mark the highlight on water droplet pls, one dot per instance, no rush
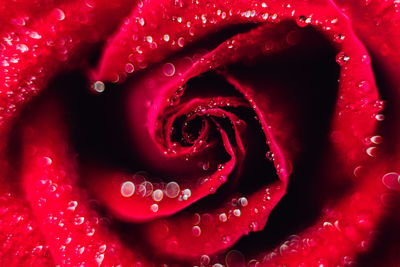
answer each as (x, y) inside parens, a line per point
(98, 86)
(342, 58)
(392, 180)
(154, 208)
(172, 190)
(222, 217)
(127, 189)
(234, 258)
(196, 231)
(59, 14)
(168, 69)
(377, 139)
(158, 195)
(371, 151)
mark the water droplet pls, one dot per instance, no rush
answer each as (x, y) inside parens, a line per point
(99, 258)
(206, 166)
(35, 35)
(379, 117)
(127, 189)
(186, 194)
(172, 190)
(270, 155)
(237, 212)
(168, 69)
(196, 231)
(181, 41)
(253, 263)
(338, 37)
(158, 195)
(102, 248)
(364, 85)
(149, 39)
(166, 37)
(226, 239)
(79, 220)
(154, 208)
(204, 260)
(222, 217)
(342, 58)
(145, 189)
(391, 180)
(98, 86)
(253, 226)
(243, 201)
(129, 68)
(59, 14)
(303, 21)
(377, 139)
(371, 151)
(22, 47)
(234, 258)
(72, 205)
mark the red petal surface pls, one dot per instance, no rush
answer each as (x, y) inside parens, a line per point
(60, 222)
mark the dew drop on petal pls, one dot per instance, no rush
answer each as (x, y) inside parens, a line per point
(234, 258)
(237, 212)
(379, 117)
(253, 263)
(222, 217)
(371, 151)
(186, 194)
(181, 41)
(339, 37)
(172, 190)
(154, 208)
(72, 205)
(59, 14)
(158, 195)
(243, 201)
(364, 85)
(127, 189)
(342, 58)
(391, 180)
(226, 239)
(196, 231)
(79, 220)
(129, 68)
(204, 260)
(98, 86)
(45, 161)
(168, 69)
(377, 139)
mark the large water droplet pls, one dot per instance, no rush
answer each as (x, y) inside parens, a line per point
(222, 217)
(168, 69)
(234, 258)
(127, 189)
(158, 195)
(196, 231)
(59, 14)
(342, 58)
(98, 86)
(172, 190)
(391, 180)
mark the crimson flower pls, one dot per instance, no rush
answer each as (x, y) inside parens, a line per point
(199, 133)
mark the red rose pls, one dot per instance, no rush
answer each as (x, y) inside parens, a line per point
(174, 133)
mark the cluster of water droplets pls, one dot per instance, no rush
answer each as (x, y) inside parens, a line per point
(138, 186)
